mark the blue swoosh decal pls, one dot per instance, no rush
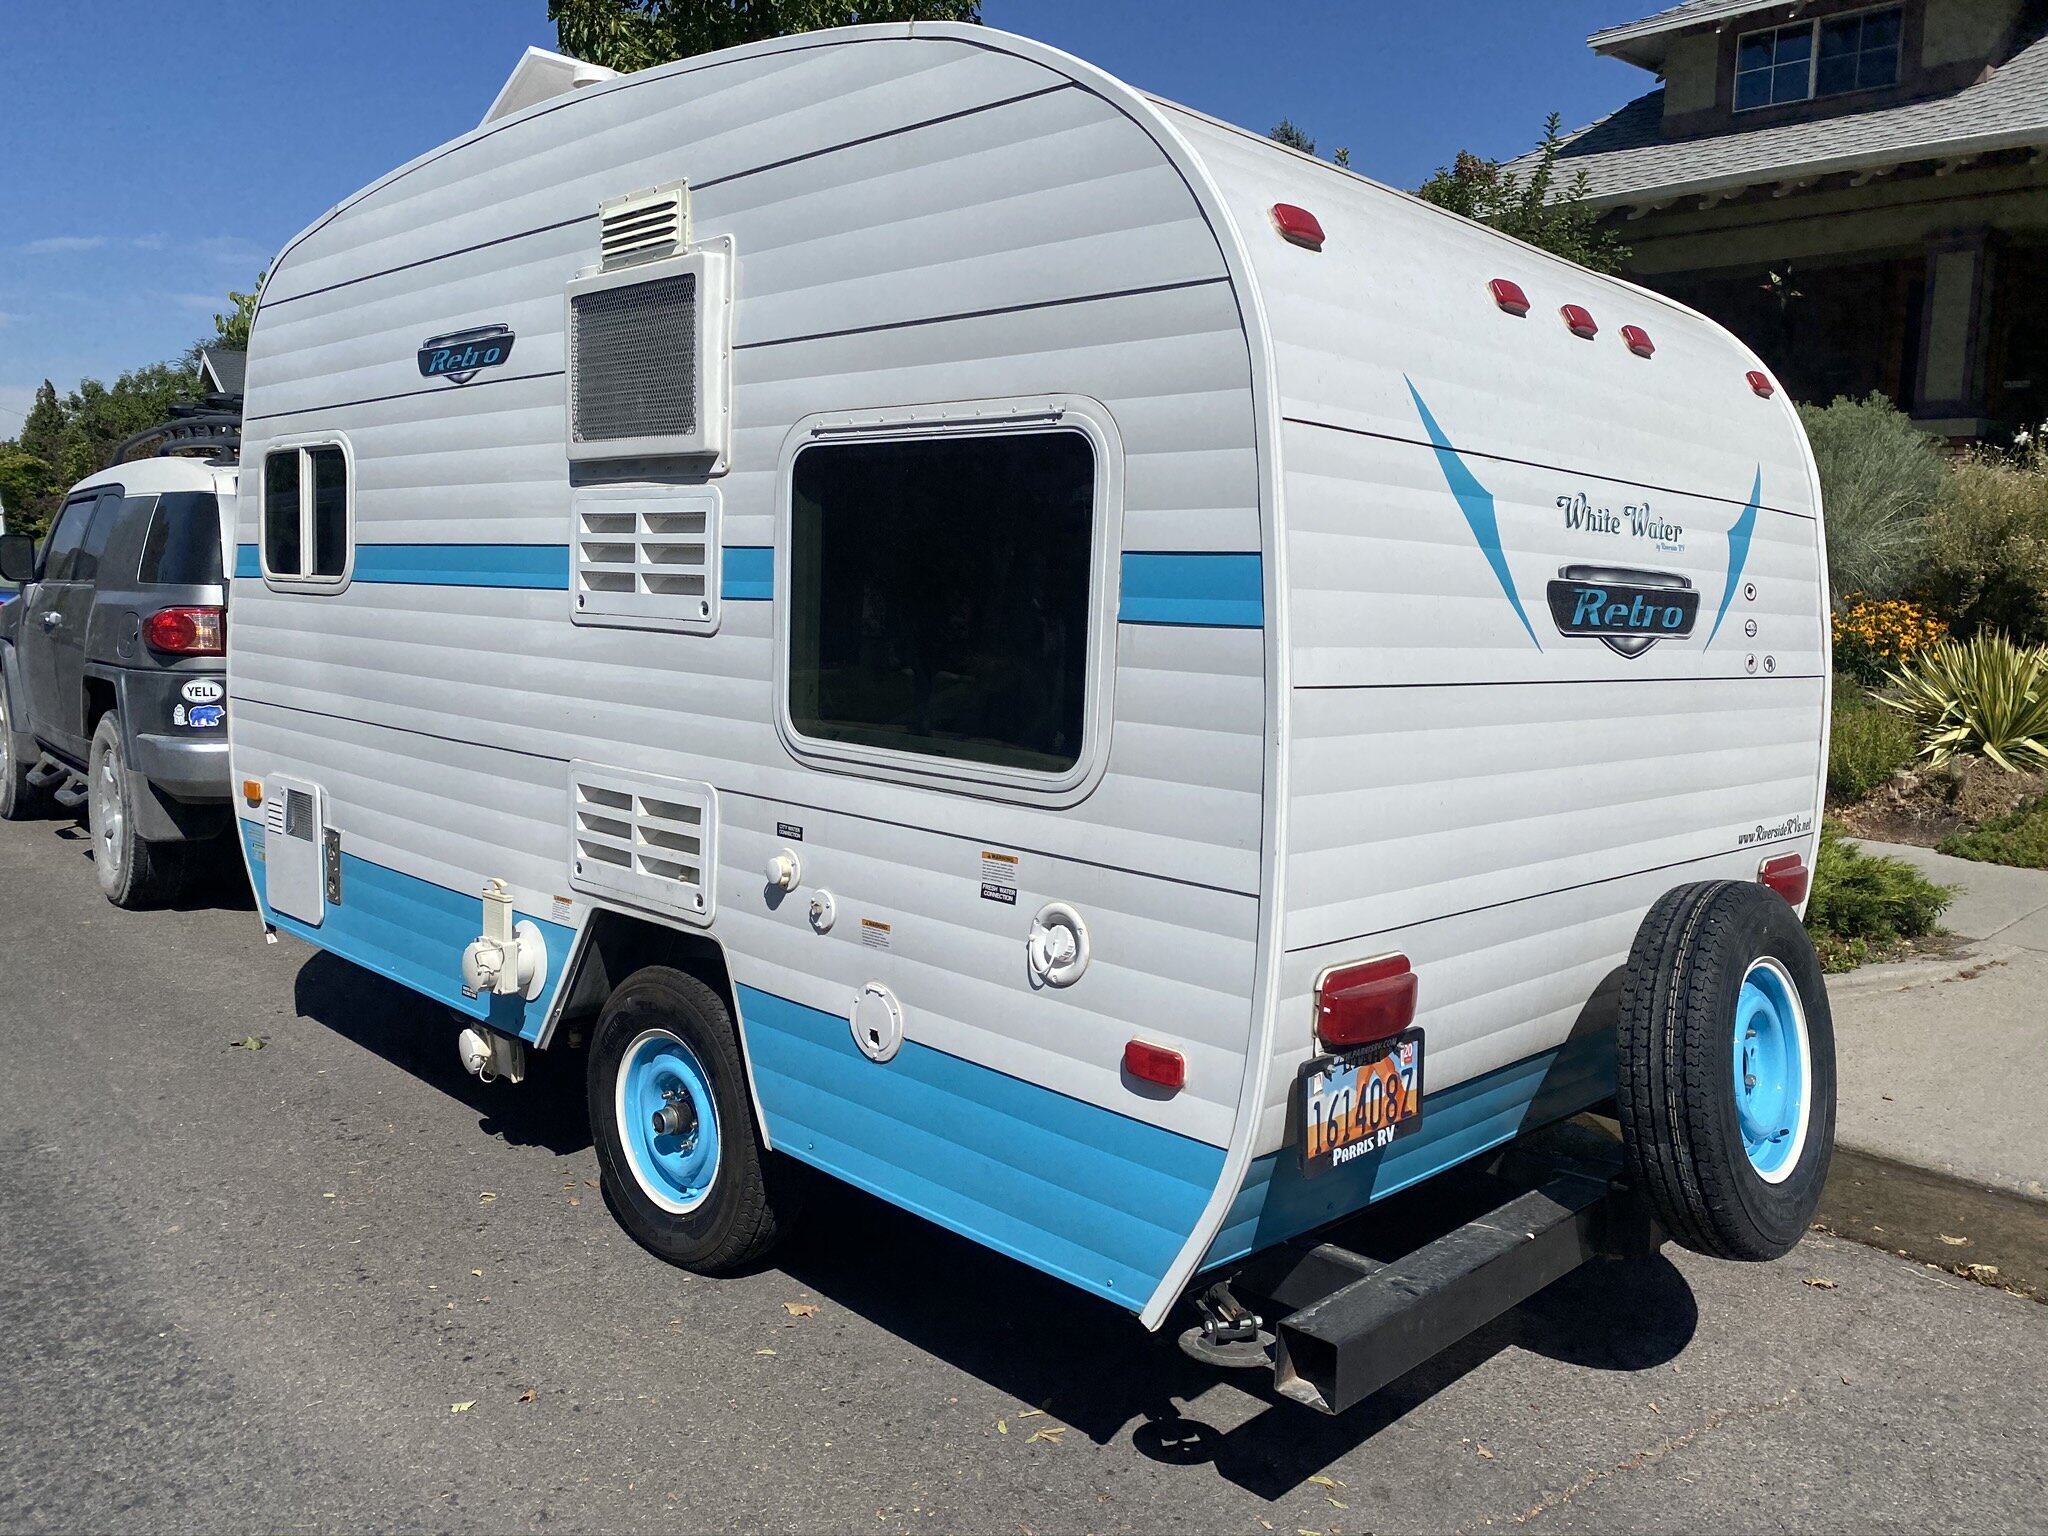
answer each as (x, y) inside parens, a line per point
(1476, 501)
(1738, 551)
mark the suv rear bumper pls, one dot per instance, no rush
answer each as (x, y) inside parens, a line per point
(182, 767)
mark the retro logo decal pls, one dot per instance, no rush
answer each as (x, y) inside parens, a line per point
(1626, 610)
(460, 355)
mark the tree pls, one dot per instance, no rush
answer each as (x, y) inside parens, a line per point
(231, 331)
(1529, 205)
(1286, 133)
(637, 34)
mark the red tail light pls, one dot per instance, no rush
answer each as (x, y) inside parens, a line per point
(1298, 226)
(1359, 1004)
(186, 632)
(1762, 384)
(1155, 1064)
(1579, 321)
(1638, 341)
(1788, 875)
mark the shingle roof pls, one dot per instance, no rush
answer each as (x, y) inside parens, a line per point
(1626, 158)
(1690, 13)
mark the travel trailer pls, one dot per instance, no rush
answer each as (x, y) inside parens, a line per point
(1127, 690)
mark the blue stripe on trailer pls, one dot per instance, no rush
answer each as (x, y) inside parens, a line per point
(1094, 1197)
(1205, 590)
(1476, 502)
(539, 567)
(413, 932)
(748, 574)
(248, 563)
(1458, 1124)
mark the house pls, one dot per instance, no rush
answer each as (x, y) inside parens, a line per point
(1859, 191)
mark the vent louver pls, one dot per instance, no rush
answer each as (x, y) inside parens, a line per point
(650, 841)
(643, 226)
(647, 559)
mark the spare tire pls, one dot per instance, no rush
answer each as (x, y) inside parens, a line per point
(1727, 1070)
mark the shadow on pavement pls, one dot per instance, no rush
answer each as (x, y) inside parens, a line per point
(418, 1036)
(1090, 1365)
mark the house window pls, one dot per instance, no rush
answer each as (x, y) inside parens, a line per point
(939, 596)
(308, 516)
(1829, 57)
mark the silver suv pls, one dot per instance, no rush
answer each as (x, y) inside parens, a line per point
(113, 671)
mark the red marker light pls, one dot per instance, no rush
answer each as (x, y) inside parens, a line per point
(1579, 320)
(1638, 341)
(186, 632)
(1788, 875)
(1359, 1004)
(1509, 296)
(1155, 1064)
(1298, 226)
(1762, 384)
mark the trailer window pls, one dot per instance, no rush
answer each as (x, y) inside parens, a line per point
(939, 596)
(308, 516)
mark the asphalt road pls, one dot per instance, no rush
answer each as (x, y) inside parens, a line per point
(247, 1290)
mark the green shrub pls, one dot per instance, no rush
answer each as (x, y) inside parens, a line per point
(1988, 698)
(1867, 744)
(1880, 477)
(1987, 545)
(2020, 839)
(1865, 906)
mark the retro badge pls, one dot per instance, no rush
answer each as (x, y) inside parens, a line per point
(460, 355)
(1626, 610)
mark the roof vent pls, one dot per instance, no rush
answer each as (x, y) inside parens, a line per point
(643, 226)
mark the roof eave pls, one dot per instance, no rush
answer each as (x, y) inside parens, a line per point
(2031, 137)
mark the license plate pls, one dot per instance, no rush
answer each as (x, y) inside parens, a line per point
(1352, 1104)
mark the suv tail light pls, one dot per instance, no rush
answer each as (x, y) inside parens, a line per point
(1788, 875)
(186, 632)
(1359, 1004)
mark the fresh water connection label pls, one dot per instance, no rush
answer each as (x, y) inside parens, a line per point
(999, 877)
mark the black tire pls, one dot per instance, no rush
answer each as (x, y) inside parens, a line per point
(739, 1214)
(134, 873)
(1678, 1096)
(19, 800)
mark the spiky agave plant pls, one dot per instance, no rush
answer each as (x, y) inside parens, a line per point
(1988, 698)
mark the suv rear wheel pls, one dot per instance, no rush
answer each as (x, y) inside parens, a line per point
(18, 799)
(133, 872)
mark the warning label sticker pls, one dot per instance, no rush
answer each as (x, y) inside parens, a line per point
(874, 935)
(999, 877)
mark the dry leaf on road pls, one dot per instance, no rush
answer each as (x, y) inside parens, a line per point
(528, 1396)
(462, 1407)
(800, 1308)
(1954, 1242)
(1819, 1284)
(1050, 1434)
(248, 1043)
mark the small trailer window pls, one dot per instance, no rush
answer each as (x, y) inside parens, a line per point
(939, 596)
(308, 530)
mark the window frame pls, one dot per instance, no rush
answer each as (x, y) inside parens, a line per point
(302, 581)
(990, 418)
(1813, 24)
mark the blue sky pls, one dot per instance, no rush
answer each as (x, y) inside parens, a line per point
(157, 155)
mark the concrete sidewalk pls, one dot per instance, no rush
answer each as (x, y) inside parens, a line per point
(1943, 1064)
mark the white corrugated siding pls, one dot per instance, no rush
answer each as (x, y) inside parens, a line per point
(1502, 806)
(440, 699)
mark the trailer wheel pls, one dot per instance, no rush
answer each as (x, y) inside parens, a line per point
(674, 1125)
(133, 872)
(1727, 1070)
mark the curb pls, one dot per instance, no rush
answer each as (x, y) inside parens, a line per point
(1963, 1226)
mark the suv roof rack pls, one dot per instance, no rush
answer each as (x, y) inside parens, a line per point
(210, 428)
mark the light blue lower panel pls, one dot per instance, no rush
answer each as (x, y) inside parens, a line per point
(413, 932)
(1458, 1124)
(1094, 1197)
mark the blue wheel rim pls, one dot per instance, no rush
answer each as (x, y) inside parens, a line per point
(674, 1169)
(1773, 1071)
